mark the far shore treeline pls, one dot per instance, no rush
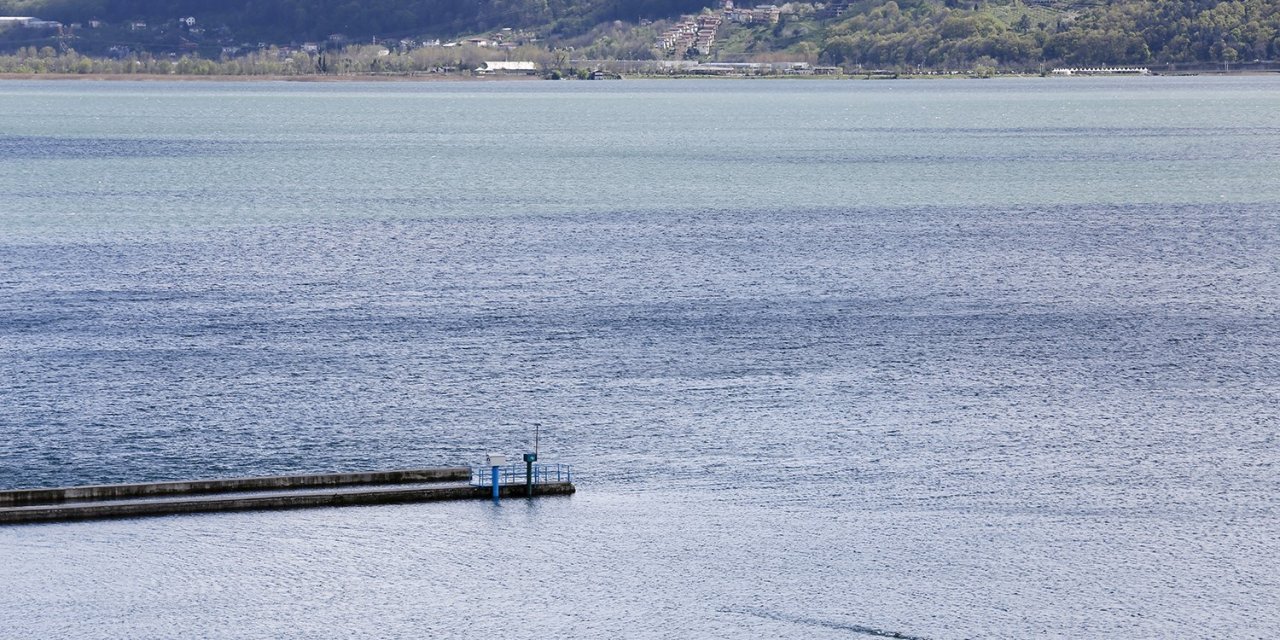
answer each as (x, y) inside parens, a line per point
(409, 37)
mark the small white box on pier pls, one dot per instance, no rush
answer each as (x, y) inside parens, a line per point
(495, 460)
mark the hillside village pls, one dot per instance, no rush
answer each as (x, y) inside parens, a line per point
(695, 34)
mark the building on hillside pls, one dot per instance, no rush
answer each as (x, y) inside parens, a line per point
(29, 22)
(679, 38)
(706, 36)
(769, 14)
(696, 32)
(834, 9)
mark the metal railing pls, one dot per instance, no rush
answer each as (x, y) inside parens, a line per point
(514, 474)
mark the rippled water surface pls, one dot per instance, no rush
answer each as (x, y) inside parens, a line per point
(831, 359)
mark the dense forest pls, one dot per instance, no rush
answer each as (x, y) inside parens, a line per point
(901, 35)
(960, 34)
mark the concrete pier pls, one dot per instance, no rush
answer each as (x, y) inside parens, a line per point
(238, 494)
(20, 497)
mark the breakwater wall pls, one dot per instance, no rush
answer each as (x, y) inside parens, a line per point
(275, 492)
(21, 497)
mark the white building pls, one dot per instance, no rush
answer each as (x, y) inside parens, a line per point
(490, 67)
(28, 22)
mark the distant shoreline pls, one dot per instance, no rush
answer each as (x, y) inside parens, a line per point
(157, 77)
(160, 77)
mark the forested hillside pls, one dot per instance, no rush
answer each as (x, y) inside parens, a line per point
(900, 35)
(289, 20)
(959, 33)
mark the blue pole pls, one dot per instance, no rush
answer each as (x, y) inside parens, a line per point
(495, 485)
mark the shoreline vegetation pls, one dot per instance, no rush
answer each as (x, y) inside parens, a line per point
(466, 77)
(475, 63)
(469, 62)
(157, 77)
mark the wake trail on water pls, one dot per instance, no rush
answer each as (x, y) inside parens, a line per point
(843, 626)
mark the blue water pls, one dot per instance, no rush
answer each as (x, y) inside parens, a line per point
(831, 359)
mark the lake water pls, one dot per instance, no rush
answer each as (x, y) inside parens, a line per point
(953, 359)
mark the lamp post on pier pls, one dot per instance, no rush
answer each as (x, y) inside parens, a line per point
(529, 459)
